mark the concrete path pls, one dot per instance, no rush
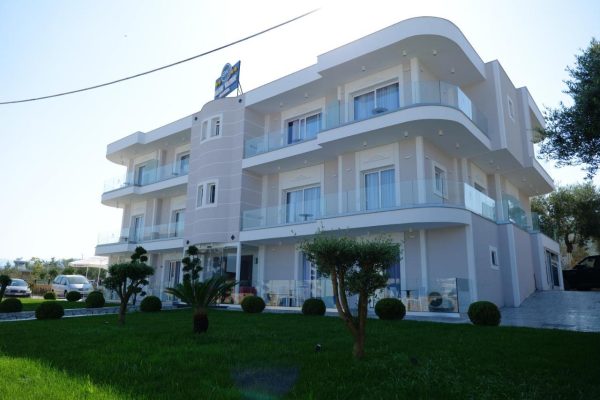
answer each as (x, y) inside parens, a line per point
(570, 310)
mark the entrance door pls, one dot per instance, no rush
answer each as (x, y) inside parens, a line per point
(552, 269)
(173, 273)
(246, 270)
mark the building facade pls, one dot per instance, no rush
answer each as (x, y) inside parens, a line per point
(405, 132)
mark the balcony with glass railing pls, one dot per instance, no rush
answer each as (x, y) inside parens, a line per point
(381, 102)
(312, 206)
(147, 175)
(142, 235)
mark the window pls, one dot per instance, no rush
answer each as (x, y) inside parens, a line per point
(380, 189)
(511, 108)
(303, 204)
(303, 128)
(439, 180)
(494, 263)
(142, 175)
(212, 193)
(211, 127)
(137, 229)
(177, 223)
(183, 164)
(206, 194)
(376, 101)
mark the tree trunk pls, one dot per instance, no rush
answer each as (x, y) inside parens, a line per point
(568, 244)
(200, 321)
(122, 312)
(359, 339)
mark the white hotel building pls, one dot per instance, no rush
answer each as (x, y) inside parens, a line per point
(405, 132)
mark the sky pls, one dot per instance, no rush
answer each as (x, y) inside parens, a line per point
(53, 152)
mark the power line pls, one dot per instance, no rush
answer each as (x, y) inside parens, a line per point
(164, 66)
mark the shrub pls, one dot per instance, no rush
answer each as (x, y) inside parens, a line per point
(73, 296)
(49, 310)
(150, 304)
(253, 304)
(484, 313)
(11, 305)
(390, 309)
(313, 306)
(95, 300)
(49, 296)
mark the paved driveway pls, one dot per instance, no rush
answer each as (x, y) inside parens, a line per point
(576, 311)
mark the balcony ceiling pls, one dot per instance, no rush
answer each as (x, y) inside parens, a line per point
(138, 144)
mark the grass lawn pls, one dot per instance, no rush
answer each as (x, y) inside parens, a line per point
(30, 304)
(155, 356)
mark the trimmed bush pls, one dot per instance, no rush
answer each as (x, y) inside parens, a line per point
(313, 306)
(49, 310)
(484, 313)
(253, 304)
(73, 296)
(95, 300)
(49, 296)
(11, 305)
(390, 309)
(150, 304)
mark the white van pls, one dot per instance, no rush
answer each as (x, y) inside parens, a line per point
(64, 284)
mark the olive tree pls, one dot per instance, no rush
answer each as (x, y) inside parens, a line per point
(127, 278)
(355, 267)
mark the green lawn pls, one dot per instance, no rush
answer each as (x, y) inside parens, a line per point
(155, 356)
(30, 304)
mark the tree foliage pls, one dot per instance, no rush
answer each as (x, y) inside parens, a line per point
(572, 134)
(355, 267)
(199, 294)
(126, 279)
(4, 282)
(570, 213)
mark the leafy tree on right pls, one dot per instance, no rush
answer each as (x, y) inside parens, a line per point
(572, 134)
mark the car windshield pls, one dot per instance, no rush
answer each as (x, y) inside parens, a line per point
(18, 282)
(77, 280)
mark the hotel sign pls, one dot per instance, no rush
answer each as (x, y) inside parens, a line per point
(228, 81)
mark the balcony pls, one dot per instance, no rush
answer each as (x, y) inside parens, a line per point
(379, 198)
(156, 237)
(427, 93)
(146, 176)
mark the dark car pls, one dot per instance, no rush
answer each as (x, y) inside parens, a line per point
(583, 276)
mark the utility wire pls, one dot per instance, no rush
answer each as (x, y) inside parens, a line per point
(163, 67)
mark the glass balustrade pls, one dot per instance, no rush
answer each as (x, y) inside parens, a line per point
(333, 115)
(145, 234)
(405, 194)
(147, 175)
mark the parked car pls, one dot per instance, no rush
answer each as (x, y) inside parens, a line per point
(64, 284)
(17, 288)
(584, 275)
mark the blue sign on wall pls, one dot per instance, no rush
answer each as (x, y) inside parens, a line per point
(228, 81)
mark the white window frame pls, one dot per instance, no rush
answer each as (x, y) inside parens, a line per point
(203, 188)
(374, 90)
(444, 192)
(303, 188)
(494, 261)
(511, 107)
(211, 128)
(173, 226)
(178, 163)
(379, 170)
(302, 125)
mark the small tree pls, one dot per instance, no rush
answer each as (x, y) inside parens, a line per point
(355, 267)
(4, 282)
(126, 278)
(198, 294)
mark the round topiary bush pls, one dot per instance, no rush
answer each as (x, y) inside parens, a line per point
(49, 310)
(253, 304)
(150, 304)
(73, 296)
(390, 309)
(11, 305)
(484, 313)
(95, 300)
(313, 306)
(49, 296)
